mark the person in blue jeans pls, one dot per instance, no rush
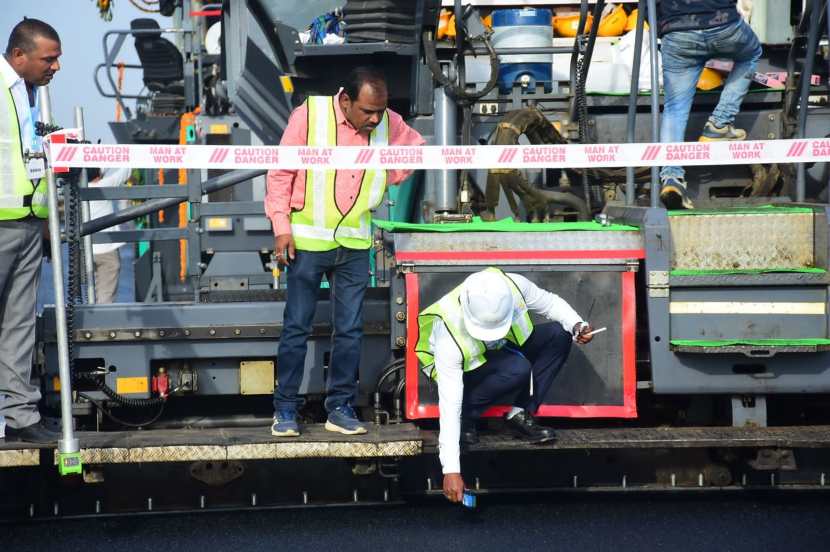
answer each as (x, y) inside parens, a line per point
(693, 32)
(322, 221)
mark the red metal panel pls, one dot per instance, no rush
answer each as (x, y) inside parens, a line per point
(415, 410)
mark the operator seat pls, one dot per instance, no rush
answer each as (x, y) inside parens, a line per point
(160, 59)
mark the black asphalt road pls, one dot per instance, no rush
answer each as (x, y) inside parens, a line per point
(615, 523)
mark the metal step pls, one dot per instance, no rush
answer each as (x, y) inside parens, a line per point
(221, 444)
(662, 437)
(743, 239)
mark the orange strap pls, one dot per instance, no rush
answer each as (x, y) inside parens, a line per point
(119, 85)
(187, 120)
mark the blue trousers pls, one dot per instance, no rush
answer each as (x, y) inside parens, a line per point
(507, 371)
(684, 55)
(347, 271)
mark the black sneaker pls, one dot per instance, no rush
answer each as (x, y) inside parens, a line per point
(36, 433)
(524, 426)
(673, 193)
(728, 133)
(469, 432)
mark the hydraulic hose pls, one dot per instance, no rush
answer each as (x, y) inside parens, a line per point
(453, 89)
(390, 369)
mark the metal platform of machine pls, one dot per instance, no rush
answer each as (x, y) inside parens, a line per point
(188, 445)
(386, 441)
(665, 437)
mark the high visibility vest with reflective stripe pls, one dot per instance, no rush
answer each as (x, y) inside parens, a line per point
(15, 184)
(448, 309)
(320, 226)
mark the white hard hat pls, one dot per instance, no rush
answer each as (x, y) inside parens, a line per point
(487, 304)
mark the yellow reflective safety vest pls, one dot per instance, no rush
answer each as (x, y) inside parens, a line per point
(448, 310)
(320, 226)
(19, 197)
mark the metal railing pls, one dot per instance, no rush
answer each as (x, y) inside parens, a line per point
(110, 63)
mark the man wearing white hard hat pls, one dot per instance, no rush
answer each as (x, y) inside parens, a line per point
(479, 344)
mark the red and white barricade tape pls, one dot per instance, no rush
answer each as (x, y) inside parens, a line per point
(440, 157)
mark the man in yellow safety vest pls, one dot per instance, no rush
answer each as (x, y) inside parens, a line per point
(479, 344)
(322, 222)
(30, 61)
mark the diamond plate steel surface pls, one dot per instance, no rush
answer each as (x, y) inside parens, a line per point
(742, 241)
(400, 448)
(252, 451)
(103, 456)
(19, 458)
(184, 453)
(519, 241)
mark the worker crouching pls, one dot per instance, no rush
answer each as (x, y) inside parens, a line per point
(479, 345)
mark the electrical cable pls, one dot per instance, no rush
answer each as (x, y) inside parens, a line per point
(74, 297)
(108, 413)
(390, 369)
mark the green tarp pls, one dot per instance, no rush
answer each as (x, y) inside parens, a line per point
(753, 271)
(504, 225)
(750, 342)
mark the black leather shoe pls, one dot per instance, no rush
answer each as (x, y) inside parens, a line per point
(524, 426)
(36, 433)
(469, 432)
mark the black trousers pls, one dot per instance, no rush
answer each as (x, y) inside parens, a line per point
(507, 371)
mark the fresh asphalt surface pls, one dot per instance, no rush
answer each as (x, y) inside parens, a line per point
(623, 523)
(564, 522)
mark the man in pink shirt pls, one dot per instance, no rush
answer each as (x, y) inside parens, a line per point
(322, 224)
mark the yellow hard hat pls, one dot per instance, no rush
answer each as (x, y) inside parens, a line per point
(631, 23)
(709, 79)
(566, 25)
(614, 23)
(446, 25)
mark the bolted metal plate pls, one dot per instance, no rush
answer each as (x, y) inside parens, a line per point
(733, 241)
(256, 377)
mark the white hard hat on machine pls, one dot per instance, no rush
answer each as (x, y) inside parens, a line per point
(487, 304)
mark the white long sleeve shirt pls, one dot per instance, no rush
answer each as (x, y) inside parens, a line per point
(27, 115)
(449, 364)
(110, 178)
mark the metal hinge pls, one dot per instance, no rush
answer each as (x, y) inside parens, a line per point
(658, 283)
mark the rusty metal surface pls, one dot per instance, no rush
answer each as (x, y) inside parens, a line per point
(750, 351)
(742, 241)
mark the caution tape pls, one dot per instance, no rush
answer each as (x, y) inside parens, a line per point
(439, 157)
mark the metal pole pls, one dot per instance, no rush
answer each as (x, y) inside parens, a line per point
(804, 98)
(68, 442)
(655, 97)
(89, 261)
(446, 197)
(634, 97)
